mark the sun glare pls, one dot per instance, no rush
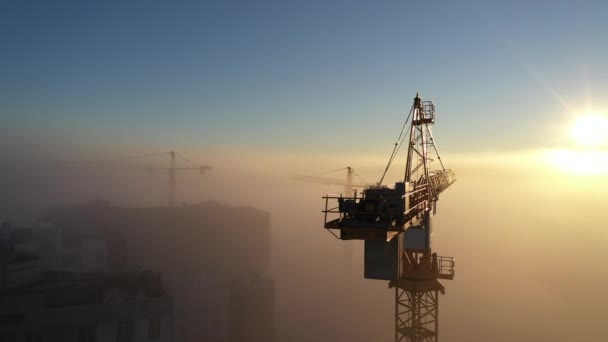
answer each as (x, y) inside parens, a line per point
(590, 130)
(578, 162)
(590, 157)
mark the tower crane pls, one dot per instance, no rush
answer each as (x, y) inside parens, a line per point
(172, 171)
(172, 168)
(395, 224)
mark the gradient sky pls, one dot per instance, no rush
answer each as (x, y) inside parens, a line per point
(110, 78)
(308, 81)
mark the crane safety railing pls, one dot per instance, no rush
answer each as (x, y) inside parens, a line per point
(446, 266)
(335, 210)
(438, 181)
(441, 180)
(423, 193)
(444, 269)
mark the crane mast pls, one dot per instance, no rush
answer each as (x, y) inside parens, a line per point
(348, 187)
(417, 286)
(395, 224)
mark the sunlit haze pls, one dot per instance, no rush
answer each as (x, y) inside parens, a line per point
(590, 130)
(95, 94)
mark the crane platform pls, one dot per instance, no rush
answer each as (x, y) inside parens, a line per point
(376, 215)
(380, 212)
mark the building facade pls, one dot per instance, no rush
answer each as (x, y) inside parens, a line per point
(87, 308)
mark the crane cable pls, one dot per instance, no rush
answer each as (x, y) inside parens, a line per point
(344, 168)
(323, 173)
(125, 158)
(358, 175)
(184, 158)
(397, 146)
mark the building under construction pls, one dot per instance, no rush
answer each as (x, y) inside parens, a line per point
(219, 292)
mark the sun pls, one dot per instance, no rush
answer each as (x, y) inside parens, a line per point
(590, 130)
(590, 156)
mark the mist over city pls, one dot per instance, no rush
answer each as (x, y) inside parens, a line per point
(303, 171)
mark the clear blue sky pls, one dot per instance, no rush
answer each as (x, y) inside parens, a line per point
(148, 76)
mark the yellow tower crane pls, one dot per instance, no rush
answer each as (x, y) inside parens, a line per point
(395, 224)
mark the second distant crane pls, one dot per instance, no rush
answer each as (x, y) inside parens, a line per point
(348, 183)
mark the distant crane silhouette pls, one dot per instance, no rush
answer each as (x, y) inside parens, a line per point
(172, 171)
(172, 168)
(348, 183)
(127, 161)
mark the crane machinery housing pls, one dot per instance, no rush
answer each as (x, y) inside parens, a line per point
(395, 224)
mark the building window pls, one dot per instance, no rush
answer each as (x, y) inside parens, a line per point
(154, 328)
(124, 331)
(87, 335)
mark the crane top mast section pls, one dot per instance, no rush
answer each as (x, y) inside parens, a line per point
(425, 184)
(381, 213)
